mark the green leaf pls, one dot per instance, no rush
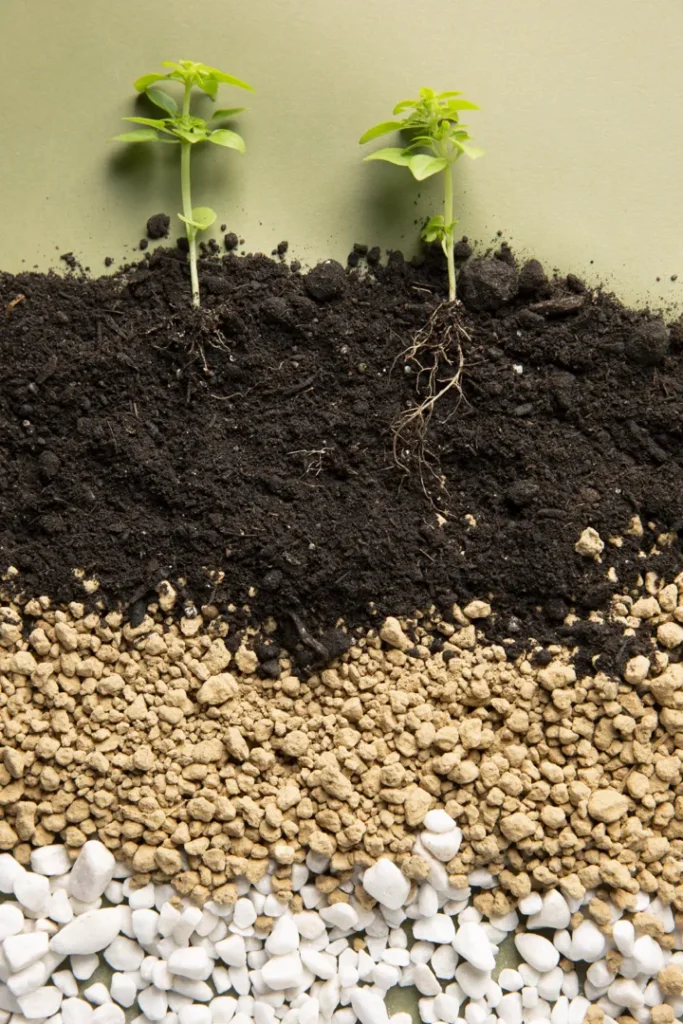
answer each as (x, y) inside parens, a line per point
(141, 135)
(227, 112)
(423, 166)
(209, 85)
(462, 105)
(469, 149)
(404, 105)
(160, 98)
(224, 137)
(221, 76)
(144, 81)
(445, 95)
(434, 229)
(384, 128)
(391, 156)
(193, 136)
(150, 121)
(202, 218)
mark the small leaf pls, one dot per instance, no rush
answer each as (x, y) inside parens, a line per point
(160, 98)
(462, 105)
(150, 121)
(202, 218)
(146, 80)
(469, 149)
(224, 137)
(433, 229)
(445, 95)
(392, 156)
(209, 85)
(385, 128)
(141, 135)
(194, 136)
(423, 166)
(228, 112)
(220, 76)
(404, 105)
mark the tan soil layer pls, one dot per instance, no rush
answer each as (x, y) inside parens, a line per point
(191, 767)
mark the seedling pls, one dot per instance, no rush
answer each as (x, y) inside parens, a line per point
(180, 127)
(432, 123)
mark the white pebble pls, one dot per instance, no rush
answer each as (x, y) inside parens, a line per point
(588, 942)
(424, 980)
(50, 860)
(42, 1003)
(222, 1009)
(32, 891)
(91, 932)
(123, 954)
(123, 989)
(510, 980)
(59, 907)
(438, 821)
(538, 952)
(192, 962)
(442, 845)
(97, 994)
(309, 924)
(438, 929)
(84, 965)
(66, 983)
(471, 942)
(284, 936)
(627, 993)
(76, 1011)
(529, 997)
(648, 954)
(108, 1013)
(447, 1008)
(385, 976)
(232, 951)
(444, 961)
(560, 1011)
(194, 1015)
(28, 980)
(531, 904)
(188, 921)
(323, 965)
(386, 883)
(554, 912)
(11, 920)
(472, 981)
(244, 913)
(92, 871)
(153, 1003)
(145, 924)
(368, 1005)
(340, 915)
(23, 950)
(281, 972)
(10, 870)
(550, 984)
(509, 1009)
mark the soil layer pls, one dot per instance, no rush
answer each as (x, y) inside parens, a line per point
(142, 440)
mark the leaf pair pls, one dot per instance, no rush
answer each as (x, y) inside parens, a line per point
(420, 165)
(181, 128)
(190, 73)
(202, 218)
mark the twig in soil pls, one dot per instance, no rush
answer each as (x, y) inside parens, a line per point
(431, 353)
(15, 302)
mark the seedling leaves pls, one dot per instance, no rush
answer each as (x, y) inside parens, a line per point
(224, 137)
(380, 129)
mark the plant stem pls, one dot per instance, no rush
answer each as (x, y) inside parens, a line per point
(186, 192)
(448, 236)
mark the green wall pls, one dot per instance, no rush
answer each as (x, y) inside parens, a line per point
(581, 119)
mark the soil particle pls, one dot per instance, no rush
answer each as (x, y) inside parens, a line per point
(158, 226)
(485, 286)
(231, 241)
(326, 281)
(648, 344)
(532, 278)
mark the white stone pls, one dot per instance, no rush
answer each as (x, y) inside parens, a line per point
(368, 1005)
(42, 1003)
(577, 1009)
(123, 954)
(153, 1003)
(600, 975)
(424, 980)
(145, 924)
(509, 1009)
(88, 933)
(510, 980)
(59, 907)
(323, 965)
(32, 891)
(537, 952)
(397, 956)
(438, 929)
(92, 871)
(444, 961)
(446, 1007)
(284, 936)
(531, 904)
(108, 1013)
(529, 997)
(50, 860)
(310, 924)
(588, 942)
(123, 989)
(76, 1011)
(10, 870)
(472, 943)
(553, 914)
(340, 915)
(550, 984)
(66, 983)
(386, 883)
(97, 994)
(222, 1009)
(84, 965)
(282, 972)
(232, 951)
(385, 976)
(438, 821)
(23, 950)
(191, 962)
(560, 1011)
(194, 1015)
(244, 913)
(471, 980)
(530, 975)
(28, 980)
(649, 955)
(442, 845)
(11, 920)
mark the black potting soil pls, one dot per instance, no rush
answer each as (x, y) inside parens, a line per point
(141, 439)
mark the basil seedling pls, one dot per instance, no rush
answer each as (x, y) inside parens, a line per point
(432, 123)
(180, 127)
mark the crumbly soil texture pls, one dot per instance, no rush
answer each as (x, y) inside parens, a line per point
(247, 448)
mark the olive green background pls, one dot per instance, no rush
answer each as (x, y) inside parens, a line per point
(582, 122)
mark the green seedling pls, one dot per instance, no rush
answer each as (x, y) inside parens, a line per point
(180, 127)
(432, 124)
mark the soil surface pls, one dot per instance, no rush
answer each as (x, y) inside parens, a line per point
(142, 440)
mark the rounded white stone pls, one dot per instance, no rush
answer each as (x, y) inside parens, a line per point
(538, 952)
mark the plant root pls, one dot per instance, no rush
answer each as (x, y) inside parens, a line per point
(436, 358)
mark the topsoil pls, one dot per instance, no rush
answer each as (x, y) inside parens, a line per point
(142, 440)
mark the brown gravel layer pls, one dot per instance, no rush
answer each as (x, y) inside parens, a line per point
(190, 766)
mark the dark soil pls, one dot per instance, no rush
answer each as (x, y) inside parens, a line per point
(141, 440)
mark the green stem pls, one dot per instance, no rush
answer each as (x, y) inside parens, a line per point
(186, 192)
(448, 236)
